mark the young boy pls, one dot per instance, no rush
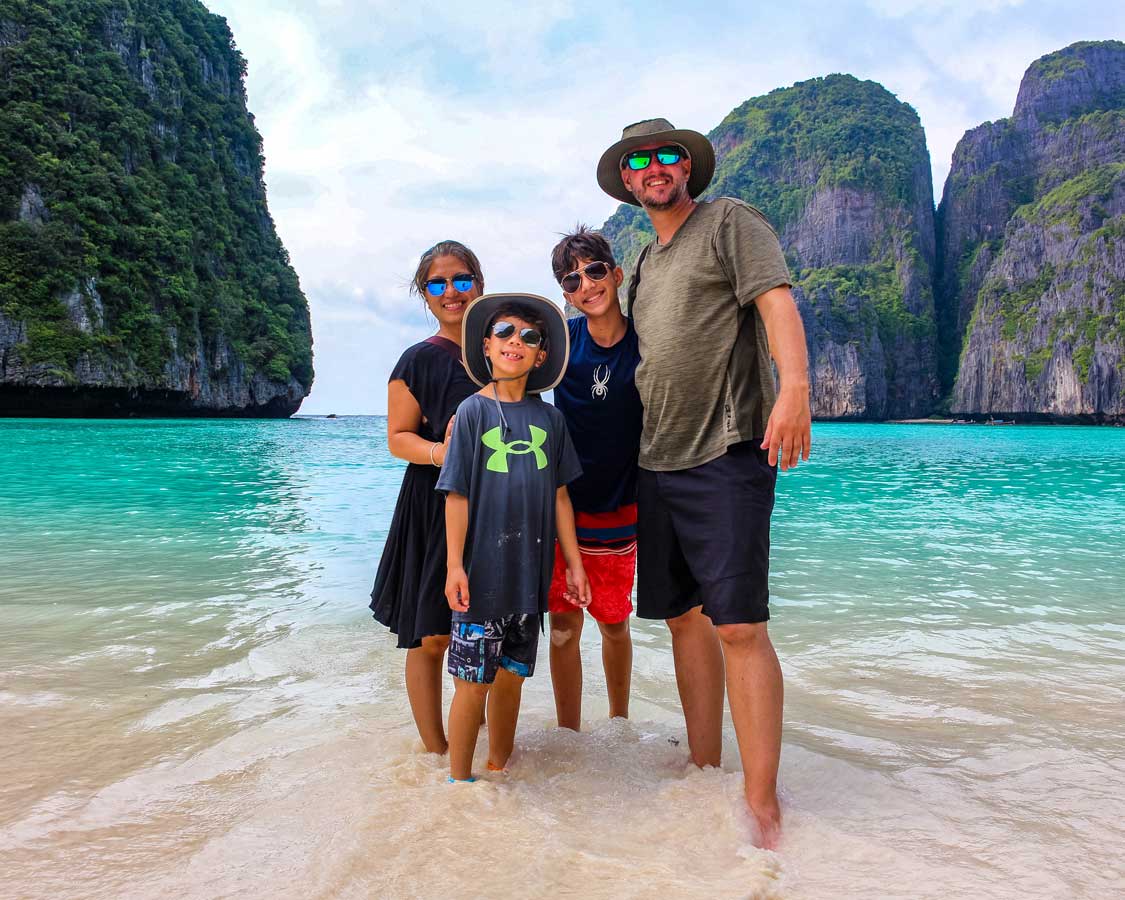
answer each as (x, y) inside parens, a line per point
(599, 400)
(505, 477)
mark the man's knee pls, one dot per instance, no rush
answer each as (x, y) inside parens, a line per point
(566, 628)
(688, 623)
(746, 637)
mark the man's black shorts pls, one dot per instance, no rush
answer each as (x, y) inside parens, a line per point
(703, 537)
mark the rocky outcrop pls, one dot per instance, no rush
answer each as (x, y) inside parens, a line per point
(1047, 337)
(144, 272)
(840, 167)
(1029, 288)
(212, 381)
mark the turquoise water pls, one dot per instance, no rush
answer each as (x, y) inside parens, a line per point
(185, 616)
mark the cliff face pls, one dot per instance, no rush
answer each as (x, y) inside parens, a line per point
(1047, 335)
(1030, 286)
(840, 167)
(140, 271)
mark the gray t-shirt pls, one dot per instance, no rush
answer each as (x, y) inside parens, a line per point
(705, 377)
(510, 479)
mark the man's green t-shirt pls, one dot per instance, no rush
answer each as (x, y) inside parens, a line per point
(705, 377)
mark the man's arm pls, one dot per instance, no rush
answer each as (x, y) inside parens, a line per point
(789, 429)
(456, 527)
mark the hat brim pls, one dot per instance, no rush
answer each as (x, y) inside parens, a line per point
(474, 328)
(698, 147)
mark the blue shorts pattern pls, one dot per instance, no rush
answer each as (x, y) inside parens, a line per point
(478, 650)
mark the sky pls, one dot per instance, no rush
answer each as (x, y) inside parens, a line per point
(389, 126)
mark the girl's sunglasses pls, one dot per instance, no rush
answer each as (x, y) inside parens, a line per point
(505, 330)
(462, 283)
(595, 271)
(642, 159)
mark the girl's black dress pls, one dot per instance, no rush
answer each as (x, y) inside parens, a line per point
(409, 592)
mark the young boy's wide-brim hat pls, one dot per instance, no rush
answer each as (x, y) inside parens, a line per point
(474, 329)
(647, 132)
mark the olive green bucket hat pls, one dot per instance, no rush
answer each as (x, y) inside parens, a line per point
(647, 132)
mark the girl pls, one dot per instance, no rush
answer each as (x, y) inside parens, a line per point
(424, 391)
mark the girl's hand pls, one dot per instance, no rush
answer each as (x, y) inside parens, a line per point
(578, 587)
(457, 590)
(441, 449)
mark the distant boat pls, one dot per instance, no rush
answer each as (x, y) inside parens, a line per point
(332, 416)
(992, 421)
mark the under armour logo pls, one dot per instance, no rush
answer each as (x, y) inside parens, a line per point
(498, 461)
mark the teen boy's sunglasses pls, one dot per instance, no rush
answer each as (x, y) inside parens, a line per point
(642, 159)
(595, 271)
(505, 330)
(462, 283)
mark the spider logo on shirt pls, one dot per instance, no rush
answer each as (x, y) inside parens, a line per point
(600, 389)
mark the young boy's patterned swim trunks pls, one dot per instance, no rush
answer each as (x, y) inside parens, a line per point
(478, 650)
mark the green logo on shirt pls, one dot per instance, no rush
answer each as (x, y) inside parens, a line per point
(498, 461)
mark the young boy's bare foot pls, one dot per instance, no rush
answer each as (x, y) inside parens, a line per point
(767, 813)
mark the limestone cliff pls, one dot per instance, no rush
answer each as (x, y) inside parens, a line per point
(840, 167)
(1030, 289)
(140, 271)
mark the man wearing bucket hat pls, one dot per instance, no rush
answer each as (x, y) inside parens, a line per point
(711, 304)
(504, 476)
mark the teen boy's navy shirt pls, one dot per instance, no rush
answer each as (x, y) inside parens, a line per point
(510, 479)
(599, 399)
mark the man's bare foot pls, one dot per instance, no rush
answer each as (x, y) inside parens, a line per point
(768, 817)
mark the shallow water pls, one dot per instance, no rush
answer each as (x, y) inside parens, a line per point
(194, 702)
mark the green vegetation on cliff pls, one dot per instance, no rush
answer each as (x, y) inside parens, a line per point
(130, 184)
(777, 151)
(880, 288)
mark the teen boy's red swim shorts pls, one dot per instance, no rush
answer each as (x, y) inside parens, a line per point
(608, 542)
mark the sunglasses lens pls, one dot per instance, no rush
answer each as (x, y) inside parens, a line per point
(462, 283)
(595, 271)
(669, 156)
(503, 330)
(639, 159)
(531, 337)
(435, 287)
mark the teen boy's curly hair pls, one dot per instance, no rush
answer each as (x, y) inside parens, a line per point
(582, 243)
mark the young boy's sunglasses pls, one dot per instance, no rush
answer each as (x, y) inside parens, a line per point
(595, 271)
(642, 159)
(462, 283)
(505, 330)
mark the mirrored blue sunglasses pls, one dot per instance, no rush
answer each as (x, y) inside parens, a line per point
(462, 283)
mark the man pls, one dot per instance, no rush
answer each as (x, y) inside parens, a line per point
(711, 304)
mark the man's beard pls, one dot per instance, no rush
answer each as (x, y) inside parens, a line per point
(674, 199)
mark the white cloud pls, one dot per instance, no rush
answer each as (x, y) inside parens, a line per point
(390, 126)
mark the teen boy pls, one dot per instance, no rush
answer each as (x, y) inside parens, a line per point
(599, 399)
(504, 475)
